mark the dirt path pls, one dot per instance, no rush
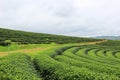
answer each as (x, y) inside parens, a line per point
(97, 42)
(34, 50)
(22, 51)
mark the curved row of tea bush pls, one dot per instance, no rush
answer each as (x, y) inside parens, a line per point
(70, 62)
(17, 67)
(67, 58)
(54, 65)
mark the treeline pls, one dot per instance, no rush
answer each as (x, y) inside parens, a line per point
(23, 37)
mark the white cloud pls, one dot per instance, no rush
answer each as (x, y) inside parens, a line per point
(70, 17)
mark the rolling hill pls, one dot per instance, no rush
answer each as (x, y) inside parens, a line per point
(94, 59)
(108, 37)
(24, 37)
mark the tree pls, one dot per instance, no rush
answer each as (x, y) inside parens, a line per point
(7, 42)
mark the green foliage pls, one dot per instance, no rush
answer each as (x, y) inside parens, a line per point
(110, 43)
(76, 63)
(64, 62)
(15, 47)
(5, 43)
(17, 67)
(38, 38)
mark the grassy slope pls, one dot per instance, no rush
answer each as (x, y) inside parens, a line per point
(29, 49)
(31, 37)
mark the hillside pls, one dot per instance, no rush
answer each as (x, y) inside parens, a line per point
(38, 38)
(86, 61)
(94, 59)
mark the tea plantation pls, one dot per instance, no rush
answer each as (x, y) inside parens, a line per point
(88, 59)
(65, 62)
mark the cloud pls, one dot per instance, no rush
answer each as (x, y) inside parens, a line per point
(68, 17)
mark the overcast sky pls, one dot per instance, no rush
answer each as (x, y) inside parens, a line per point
(66, 17)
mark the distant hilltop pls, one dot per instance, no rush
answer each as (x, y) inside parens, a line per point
(108, 37)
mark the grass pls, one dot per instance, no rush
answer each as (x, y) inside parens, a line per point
(33, 49)
(29, 49)
(22, 47)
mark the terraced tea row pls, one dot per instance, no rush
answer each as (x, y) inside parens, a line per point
(17, 67)
(78, 63)
(68, 62)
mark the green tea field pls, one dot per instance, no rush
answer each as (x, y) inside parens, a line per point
(89, 59)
